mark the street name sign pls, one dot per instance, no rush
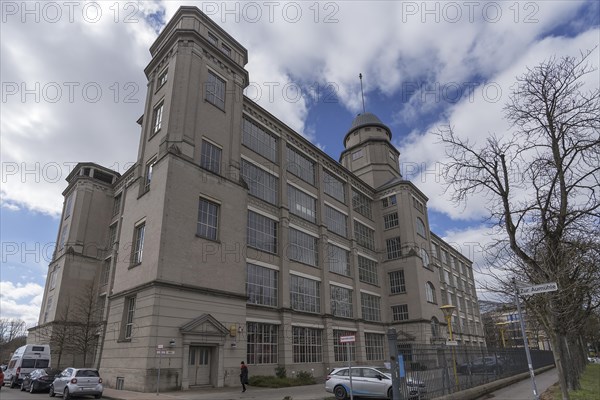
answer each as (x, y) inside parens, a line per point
(545, 287)
(347, 339)
(451, 343)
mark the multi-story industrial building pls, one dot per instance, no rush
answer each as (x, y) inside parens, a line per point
(233, 238)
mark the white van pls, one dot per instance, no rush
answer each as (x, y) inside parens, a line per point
(24, 360)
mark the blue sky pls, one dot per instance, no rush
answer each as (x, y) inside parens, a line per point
(73, 86)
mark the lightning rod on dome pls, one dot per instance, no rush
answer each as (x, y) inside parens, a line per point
(361, 91)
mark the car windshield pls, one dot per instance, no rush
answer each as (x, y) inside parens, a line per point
(384, 370)
(87, 373)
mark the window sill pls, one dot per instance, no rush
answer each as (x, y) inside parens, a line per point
(124, 340)
(154, 134)
(215, 105)
(207, 238)
(396, 294)
(134, 265)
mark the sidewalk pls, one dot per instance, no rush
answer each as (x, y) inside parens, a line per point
(311, 392)
(523, 390)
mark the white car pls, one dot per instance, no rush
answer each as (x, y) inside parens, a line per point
(77, 382)
(373, 382)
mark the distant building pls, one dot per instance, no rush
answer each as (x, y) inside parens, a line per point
(234, 238)
(503, 328)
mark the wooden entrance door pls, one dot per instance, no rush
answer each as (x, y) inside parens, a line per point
(199, 367)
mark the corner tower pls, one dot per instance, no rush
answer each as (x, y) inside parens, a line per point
(369, 152)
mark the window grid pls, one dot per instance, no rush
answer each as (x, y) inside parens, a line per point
(364, 235)
(424, 257)
(361, 204)
(367, 270)
(400, 312)
(303, 247)
(208, 219)
(371, 307)
(262, 232)
(418, 205)
(259, 140)
(307, 345)
(162, 78)
(261, 184)
(393, 247)
(138, 243)
(117, 204)
(149, 172)
(68, 205)
(225, 49)
(390, 220)
(388, 201)
(430, 292)
(340, 350)
(210, 158)
(129, 317)
(301, 204)
(338, 260)
(374, 346)
(301, 166)
(215, 90)
(397, 282)
(305, 294)
(112, 235)
(341, 301)
(261, 343)
(105, 272)
(334, 187)
(261, 285)
(157, 118)
(336, 221)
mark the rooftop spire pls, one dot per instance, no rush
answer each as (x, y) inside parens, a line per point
(361, 91)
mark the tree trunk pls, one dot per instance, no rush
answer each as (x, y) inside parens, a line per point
(558, 360)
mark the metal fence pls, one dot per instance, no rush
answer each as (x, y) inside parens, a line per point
(445, 369)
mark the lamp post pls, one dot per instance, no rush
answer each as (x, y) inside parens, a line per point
(448, 310)
(502, 326)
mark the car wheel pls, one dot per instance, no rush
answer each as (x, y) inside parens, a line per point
(390, 394)
(340, 393)
(13, 383)
(51, 392)
(22, 386)
(32, 387)
(66, 394)
(98, 396)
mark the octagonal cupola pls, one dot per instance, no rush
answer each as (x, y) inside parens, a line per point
(369, 152)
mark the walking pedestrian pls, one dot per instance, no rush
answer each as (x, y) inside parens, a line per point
(243, 376)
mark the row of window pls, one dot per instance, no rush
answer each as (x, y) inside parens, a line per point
(305, 293)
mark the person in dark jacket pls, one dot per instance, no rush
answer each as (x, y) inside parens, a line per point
(243, 376)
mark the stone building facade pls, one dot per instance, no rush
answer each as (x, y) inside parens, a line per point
(233, 238)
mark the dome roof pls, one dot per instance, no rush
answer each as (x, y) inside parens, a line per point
(367, 119)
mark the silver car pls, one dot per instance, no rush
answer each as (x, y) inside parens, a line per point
(373, 382)
(76, 382)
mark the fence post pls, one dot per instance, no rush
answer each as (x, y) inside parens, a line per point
(393, 346)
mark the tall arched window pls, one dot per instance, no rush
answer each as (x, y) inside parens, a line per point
(430, 292)
(421, 227)
(425, 257)
(435, 327)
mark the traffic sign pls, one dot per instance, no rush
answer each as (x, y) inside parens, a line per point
(347, 339)
(545, 287)
(451, 343)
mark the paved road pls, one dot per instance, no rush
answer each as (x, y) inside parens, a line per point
(523, 390)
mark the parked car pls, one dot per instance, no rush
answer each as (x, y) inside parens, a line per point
(1, 378)
(39, 380)
(489, 364)
(372, 382)
(76, 382)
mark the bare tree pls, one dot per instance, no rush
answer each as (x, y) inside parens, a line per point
(13, 334)
(87, 323)
(542, 187)
(59, 334)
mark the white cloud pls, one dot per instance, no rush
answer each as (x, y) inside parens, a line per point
(21, 301)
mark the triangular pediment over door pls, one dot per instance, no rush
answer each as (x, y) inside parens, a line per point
(205, 325)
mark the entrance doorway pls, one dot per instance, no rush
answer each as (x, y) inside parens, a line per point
(199, 366)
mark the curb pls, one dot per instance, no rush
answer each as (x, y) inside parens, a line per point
(482, 390)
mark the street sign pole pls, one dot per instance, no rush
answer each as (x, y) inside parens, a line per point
(350, 372)
(160, 351)
(525, 343)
